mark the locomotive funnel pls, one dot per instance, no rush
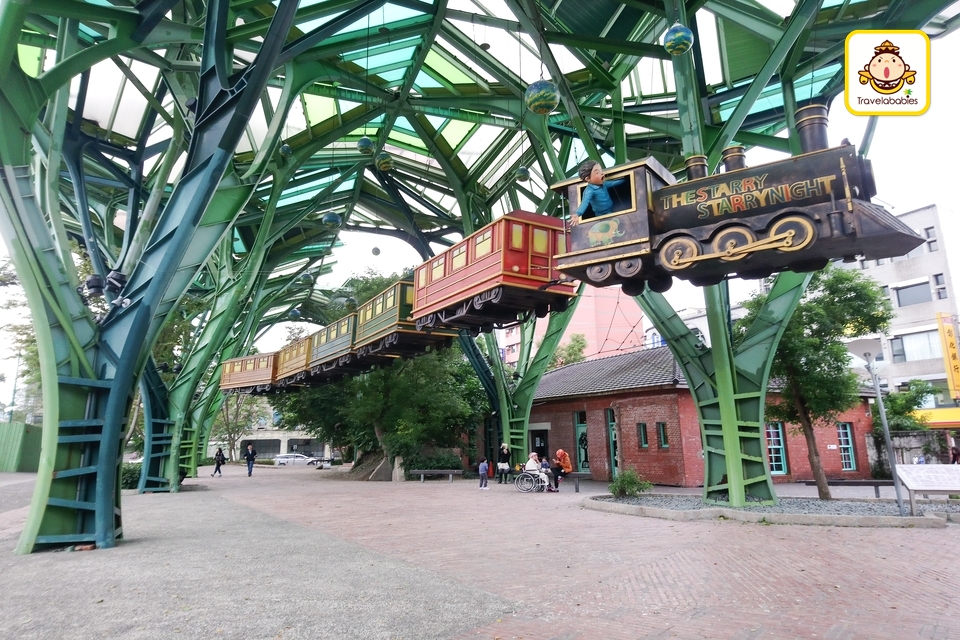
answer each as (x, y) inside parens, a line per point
(696, 167)
(812, 128)
(733, 158)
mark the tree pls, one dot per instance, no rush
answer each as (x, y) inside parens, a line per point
(237, 416)
(810, 365)
(570, 352)
(900, 408)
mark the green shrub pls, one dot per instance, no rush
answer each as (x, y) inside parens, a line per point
(434, 461)
(206, 462)
(265, 461)
(628, 483)
(336, 461)
(130, 475)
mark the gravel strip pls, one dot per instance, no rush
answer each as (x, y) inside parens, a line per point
(814, 506)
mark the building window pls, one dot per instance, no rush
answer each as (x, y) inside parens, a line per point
(845, 434)
(886, 291)
(880, 262)
(642, 442)
(864, 264)
(930, 233)
(580, 418)
(776, 449)
(940, 285)
(916, 346)
(914, 294)
(662, 435)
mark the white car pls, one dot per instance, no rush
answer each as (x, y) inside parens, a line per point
(285, 459)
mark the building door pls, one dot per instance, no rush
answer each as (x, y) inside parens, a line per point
(612, 439)
(580, 430)
(538, 443)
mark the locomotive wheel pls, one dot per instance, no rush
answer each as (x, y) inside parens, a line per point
(560, 305)
(802, 232)
(633, 287)
(628, 268)
(676, 253)
(729, 240)
(660, 284)
(541, 310)
(599, 272)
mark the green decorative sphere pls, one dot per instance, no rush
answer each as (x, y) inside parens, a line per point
(305, 279)
(542, 97)
(286, 150)
(678, 39)
(384, 161)
(350, 304)
(365, 146)
(294, 314)
(331, 220)
(522, 174)
(375, 251)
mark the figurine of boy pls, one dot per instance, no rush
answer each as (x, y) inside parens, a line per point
(596, 194)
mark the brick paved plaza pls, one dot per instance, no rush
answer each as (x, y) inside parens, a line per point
(513, 565)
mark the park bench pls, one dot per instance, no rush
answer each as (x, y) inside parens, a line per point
(876, 484)
(436, 472)
(576, 476)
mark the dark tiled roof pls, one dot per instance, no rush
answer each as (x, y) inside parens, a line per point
(634, 370)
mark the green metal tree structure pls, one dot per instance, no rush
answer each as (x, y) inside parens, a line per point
(196, 150)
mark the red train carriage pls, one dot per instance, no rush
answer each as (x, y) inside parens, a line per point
(250, 374)
(493, 275)
(386, 329)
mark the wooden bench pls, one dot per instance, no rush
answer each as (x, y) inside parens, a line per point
(436, 472)
(576, 476)
(876, 484)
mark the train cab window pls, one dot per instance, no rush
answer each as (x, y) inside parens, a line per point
(516, 236)
(561, 243)
(541, 241)
(344, 324)
(458, 257)
(407, 294)
(437, 270)
(483, 243)
(390, 300)
(624, 196)
(378, 305)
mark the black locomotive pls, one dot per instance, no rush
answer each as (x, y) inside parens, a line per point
(794, 214)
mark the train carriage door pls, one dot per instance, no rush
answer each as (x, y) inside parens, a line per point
(515, 257)
(540, 252)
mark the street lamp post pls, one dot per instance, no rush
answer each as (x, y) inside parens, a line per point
(866, 348)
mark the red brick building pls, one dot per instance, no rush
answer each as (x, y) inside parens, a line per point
(635, 408)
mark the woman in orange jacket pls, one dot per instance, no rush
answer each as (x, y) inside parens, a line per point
(561, 467)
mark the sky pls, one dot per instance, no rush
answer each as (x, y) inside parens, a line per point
(911, 158)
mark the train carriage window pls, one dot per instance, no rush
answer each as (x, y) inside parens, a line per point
(458, 257)
(323, 337)
(378, 305)
(249, 365)
(408, 295)
(516, 236)
(390, 300)
(541, 241)
(343, 327)
(422, 277)
(623, 195)
(237, 366)
(263, 362)
(483, 243)
(561, 243)
(437, 271)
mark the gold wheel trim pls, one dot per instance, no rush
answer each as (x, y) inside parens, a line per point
(678, 253)
(799, 231)
(730, 242)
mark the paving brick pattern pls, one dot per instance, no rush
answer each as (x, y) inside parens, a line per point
(583, 574)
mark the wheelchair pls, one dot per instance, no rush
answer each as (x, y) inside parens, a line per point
(529, 481)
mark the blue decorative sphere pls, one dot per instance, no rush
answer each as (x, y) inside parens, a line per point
(384, 161)
(542, 97)
(522, 174)
(678, 39)
(365, 146)
(350, 304)
(286, 150)
(294, 314)
(331, 220)
(375, 251)
(305, 279)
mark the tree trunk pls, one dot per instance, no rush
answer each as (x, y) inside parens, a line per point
(813, 455)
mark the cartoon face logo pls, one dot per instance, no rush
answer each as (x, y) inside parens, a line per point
(886, 72)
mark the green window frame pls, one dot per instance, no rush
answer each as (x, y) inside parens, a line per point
(848, 460)
(642, 441)
(662, 435)
(776, 449)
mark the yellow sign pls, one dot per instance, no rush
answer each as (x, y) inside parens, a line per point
(951, 357)
(887, 73)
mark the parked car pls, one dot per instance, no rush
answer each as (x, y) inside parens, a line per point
(285, 459)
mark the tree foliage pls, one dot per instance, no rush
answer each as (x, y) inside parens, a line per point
(570, 352)
(239, 415)
(811, 364)
(900, 407)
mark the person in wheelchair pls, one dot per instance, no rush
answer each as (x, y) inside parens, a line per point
(533, 466)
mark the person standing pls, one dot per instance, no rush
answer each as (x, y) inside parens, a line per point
(220, 459)
(954, 455)
(561, 467)
(503, 463)
(484, 470)
(250, 456)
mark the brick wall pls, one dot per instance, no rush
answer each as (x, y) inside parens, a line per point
(680, 463)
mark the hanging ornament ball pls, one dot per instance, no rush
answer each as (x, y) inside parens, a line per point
(542, 97)
(678, 39)
(305, 279)
(522, 174)
(350, 304)
(294, 314)
(365, 146)
(286, 150)
(331, 220)
(375, 251)
(384, 161)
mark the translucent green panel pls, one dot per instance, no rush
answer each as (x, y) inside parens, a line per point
(772, 97)
(456, 131)
(425, 81)
(437, 122)
(31, 59)
(393, 78)
(346, 105)
(319, 108)
(389, 58)
(445, 69)
(403, 125)
(402, 139)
